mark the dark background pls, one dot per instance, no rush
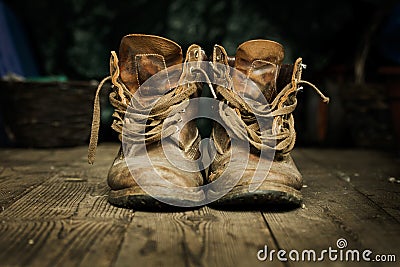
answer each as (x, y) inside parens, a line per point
(347, 46)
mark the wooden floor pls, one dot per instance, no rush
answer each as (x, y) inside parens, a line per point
(54, 212)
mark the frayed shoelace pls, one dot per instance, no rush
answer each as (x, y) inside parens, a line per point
(147, 125)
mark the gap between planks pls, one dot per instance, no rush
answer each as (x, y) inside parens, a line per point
(333, 209)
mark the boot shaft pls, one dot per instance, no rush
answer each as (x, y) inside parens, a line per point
(141, 56)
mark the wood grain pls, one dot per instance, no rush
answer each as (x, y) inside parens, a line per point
(18, 175)
(203, 237)
(63, 217)
(333, 210)
(368, 171)
(55, 213)
(59, 242)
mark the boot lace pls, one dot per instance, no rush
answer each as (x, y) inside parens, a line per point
(142, 124)
(242, 119)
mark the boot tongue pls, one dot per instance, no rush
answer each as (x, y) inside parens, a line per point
(189, 133)
(260, 61)
(141, 56)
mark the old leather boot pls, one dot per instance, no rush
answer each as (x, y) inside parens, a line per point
(141, 185)
(270, 176)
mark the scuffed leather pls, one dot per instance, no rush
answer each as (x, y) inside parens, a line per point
(142, 56)
(260, 61)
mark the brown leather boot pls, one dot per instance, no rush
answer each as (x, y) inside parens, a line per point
(254, 91)
(141, 175)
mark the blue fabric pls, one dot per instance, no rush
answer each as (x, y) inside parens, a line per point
(390, 36)
(15, 52)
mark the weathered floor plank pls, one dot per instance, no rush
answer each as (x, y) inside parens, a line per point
(68, 242)
(65, 220)
(368, 171)
(18, 175)
(22, 170)
(56, 214)
(203, 237)
(333, 210)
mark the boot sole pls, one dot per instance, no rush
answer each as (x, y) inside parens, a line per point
(136, 198)
(268, 195)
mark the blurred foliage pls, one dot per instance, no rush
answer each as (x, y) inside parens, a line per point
(74, 38)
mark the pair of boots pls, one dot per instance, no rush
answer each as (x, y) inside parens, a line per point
(164, 161)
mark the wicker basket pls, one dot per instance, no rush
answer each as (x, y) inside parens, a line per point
(47, 114)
